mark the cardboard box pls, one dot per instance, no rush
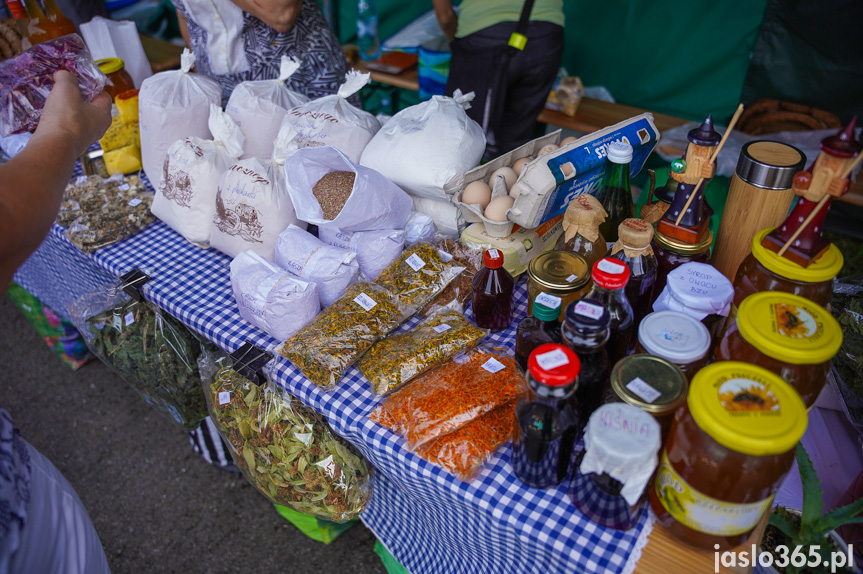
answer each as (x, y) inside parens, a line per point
(519, 247)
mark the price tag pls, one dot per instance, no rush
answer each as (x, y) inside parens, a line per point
(224, 397)
(365, 301)
(549, 301)
(415, 262)
(493, 366)
(586, 309)
(571, 278)
(610, 267)
(134, 202)
(442, 328)
(129, 318)
(81, 179)
(123, 187)
(643, 390)
(552, 359)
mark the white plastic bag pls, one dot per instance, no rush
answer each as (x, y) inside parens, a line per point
(420, 227)
(332, 269)
(259, 107)
(375, 249)
(374, 203)
(118, 39)
(271, 298)
(332, 120)
(447, 217)
(186, 193)
(173, 105)
(427, 148)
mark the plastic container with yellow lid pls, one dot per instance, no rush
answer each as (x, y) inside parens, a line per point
(764, 270)
(561, 273)
(727, 454)
(786, 334)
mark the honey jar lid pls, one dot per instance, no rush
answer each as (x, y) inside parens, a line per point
(747, 408)
(650, 383)
(110, 65)
(825, 268)
(559, 270)
(674, 336)
(789, 328)
(671, 244)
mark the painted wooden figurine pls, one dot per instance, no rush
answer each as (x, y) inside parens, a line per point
(820, 179)
(687, 173)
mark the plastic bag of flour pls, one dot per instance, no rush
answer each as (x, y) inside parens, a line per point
(332, 120)
(332, 269)
(375, 249)
(186, 193)
(271, 298)
(427, 148)
(259, 107)
(173, 105)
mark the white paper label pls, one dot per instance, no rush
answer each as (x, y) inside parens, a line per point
(550, 301)
(444, 255)
(129, 318)
(123, 187)
(643, 390)
(442, 328)
(586, 309)
(415, 262)
(493, 366)
(224, 397)
(610, 267)
(134, 202)
(81, 179)
(365, 301)
(552, 359)
(571, 278)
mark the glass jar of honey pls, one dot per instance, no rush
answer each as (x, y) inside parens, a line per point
(729, 449)
(676, 337)
(119, 79)
(561, 273)
(671, 254)
(786, 334)
(764, 270)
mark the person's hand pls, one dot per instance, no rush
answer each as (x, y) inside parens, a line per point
(280, 15)
(447, 18)
(68, 117)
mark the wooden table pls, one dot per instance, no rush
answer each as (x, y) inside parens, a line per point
(162, 55)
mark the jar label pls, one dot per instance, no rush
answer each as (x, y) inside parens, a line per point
(643, 390)
(739, 394)
(416, 262)
(571, 278)
(493, 366)
(673, 336)
(701, 512)
(550, 301)
(794, 322)
(586, 309)
(365, 301)
(552, 360)
(610, 267)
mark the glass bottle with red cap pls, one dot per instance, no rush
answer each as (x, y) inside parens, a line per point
(547, 423)
(610, 277)
(491, 295)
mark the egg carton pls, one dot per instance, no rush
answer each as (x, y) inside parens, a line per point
(473, 213)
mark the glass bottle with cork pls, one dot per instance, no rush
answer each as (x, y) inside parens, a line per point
(610, 277)
(540, 328)
(47, 25)
(581, 233)
(586, 330)
(614, 189)
(560, 273)
(491, 293)
(633, 248)
(547, 425)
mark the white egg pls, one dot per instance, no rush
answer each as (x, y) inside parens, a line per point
(496, 210)
(508, 174)
(566, 141)
(547, 149)
(519, 164)
(476, 192)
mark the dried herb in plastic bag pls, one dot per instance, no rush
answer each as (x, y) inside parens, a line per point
(402, 356)
(459, 289)
(417, 275)
(286, 450)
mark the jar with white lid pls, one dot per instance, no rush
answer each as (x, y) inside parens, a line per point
(677, 338)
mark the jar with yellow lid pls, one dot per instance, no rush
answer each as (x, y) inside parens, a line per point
(560, 273)
(764, 270)
(730, 447)
(119, 80)
(650, 383)
(786, 334)
(671, 254)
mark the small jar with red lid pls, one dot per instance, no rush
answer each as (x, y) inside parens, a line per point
(491, 293)
(610, 277)
(546, 422)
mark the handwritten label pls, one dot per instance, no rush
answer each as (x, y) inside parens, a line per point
(610, 267)
(224, 397)
(129, 318)
(643, 390)
(123, 187)
(135, 202)
(365, 301)
(493, 366)
(415, 261)
(552, 359)
(571, 278)
(550, 301)
(442, 328)
(586, 309)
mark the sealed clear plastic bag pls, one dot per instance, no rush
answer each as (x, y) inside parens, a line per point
(458, 290)
(418, 274)
(285, 449)
(27, 79)
(402, 356)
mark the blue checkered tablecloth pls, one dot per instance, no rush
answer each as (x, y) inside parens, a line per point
(431, 521)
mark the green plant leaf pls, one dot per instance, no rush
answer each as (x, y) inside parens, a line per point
(784, 525)
(813, 505)
(845, 515)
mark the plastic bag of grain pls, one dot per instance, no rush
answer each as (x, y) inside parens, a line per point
(173, 105)
(375, 249)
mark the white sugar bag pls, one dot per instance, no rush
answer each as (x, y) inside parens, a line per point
(186, 193)
(173, 105)
(426, 149)
(419, 228)
(271, 298)
(259, 106)
(375, 249)
(332, 269)
(332, 120)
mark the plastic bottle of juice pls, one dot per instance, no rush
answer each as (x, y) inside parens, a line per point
(491, 295)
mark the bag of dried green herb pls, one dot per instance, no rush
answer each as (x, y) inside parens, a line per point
(402, 356)
(325, 348)
(418, 274)
(150, 350)
(287, 450)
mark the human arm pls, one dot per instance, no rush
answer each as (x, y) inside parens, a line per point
(446, 16)
(184, 29)
(32, 183)
(280, 15)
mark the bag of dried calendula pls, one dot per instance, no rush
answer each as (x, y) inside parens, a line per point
(402, 356)
(418, 274)
(285, 449)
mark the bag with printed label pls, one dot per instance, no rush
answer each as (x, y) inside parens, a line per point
(186, 192)
(374, 249)
(332, 269)
(271, 298)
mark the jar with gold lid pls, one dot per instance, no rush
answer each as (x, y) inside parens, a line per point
(671, 254)
(560, 273)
